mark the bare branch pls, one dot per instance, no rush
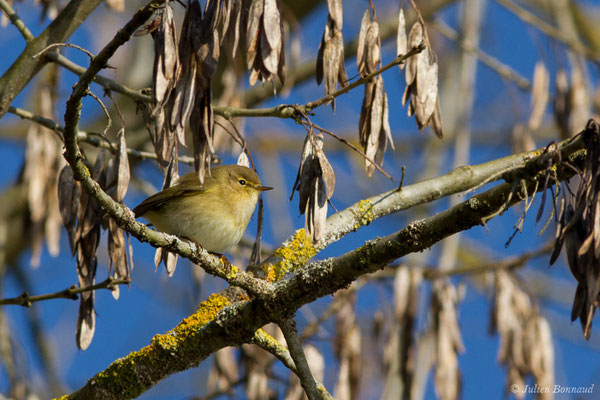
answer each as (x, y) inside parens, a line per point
(211, 329)
(71, 293)
(16, 21)
(55, 45)
(288, 327)
(106, 83)
(121, 214)
(291, 111)
(25, 67)
(270, 344)
(91, 138)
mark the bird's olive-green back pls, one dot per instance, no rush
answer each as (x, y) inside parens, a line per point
(189, 185)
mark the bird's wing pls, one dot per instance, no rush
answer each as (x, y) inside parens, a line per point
(156, 201)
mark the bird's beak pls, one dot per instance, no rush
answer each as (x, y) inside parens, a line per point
(262, 188)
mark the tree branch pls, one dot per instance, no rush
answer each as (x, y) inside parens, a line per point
(292, 111)
(16, 21)
(218, 324)
(93, 139)
(26, 300)
(288, 327)
(106, 83)
(121, 214)
(295, 253)
(26, 67)
(268, 343)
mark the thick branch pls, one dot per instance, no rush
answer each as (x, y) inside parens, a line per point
(461, 179)
(26, 67)
(211, 328)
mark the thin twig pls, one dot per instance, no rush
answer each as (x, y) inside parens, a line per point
(356, 149)
(432, 273)
(109, 123)
(291, 111)
(398, 60)
(106, 83)
(16, 21)
(117, 108)
(402, 177)
(504, 206)
(26, 300)
(54, 45)
(91, 138)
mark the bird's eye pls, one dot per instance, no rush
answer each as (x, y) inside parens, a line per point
(242, 182)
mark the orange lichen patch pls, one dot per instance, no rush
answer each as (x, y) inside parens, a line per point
(293, 254)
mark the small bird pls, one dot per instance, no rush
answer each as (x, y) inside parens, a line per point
(214, 214)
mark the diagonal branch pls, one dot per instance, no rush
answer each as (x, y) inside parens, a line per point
(122, 215)
(270, 344)
(16, 21)
(288, 327)
(456, 181)
(26, 67)
(106, 83)
(218, 324)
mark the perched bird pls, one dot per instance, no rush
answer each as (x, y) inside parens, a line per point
(214, 214)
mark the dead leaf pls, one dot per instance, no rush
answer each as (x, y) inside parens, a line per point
(315, 182)
(540, 94)
(401, 39)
